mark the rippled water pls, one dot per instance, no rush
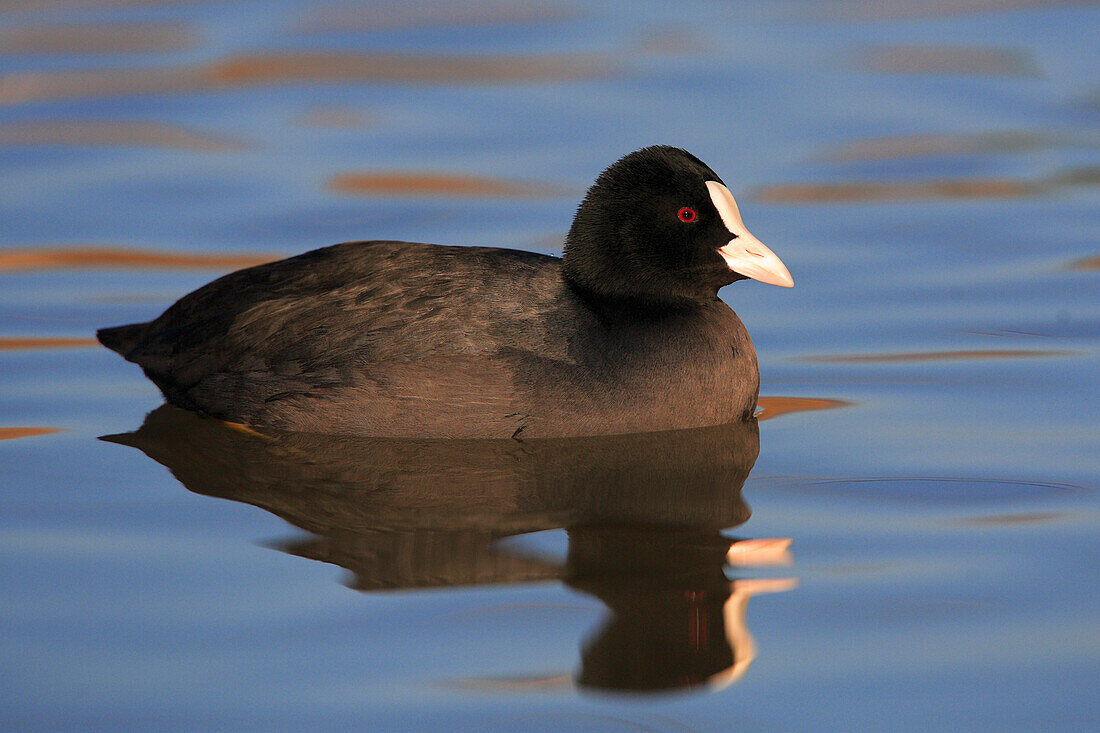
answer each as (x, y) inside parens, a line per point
(920, 552)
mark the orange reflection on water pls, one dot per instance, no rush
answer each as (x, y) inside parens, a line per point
(271, 69)
(914, 146)
(948, 189)
(370, 18)
(30, 344)
(896, 191)
(1086, 264)
(12, 433)
(919, 356)
(99, 38)
(523, 684)
(970, 60)
(90, 258)
(262, 68)
(775, 406)
(431, 184)
(73, 4)
(896, 9)
(1017, 518)
(110, 132)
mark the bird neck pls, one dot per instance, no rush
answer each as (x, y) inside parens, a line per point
(631, 302)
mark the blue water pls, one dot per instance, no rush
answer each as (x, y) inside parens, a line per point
(927, 171)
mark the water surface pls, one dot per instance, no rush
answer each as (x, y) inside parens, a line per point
(906, 540)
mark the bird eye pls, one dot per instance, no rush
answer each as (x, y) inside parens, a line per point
(686, 214)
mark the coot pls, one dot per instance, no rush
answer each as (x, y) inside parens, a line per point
(623, 334)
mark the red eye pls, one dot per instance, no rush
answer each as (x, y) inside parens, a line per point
(686, 214)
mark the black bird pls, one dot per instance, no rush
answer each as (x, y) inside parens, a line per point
(623, 334)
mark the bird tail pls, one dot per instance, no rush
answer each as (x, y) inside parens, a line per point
(122, 338)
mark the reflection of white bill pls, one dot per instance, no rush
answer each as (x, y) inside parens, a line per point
(769, 551)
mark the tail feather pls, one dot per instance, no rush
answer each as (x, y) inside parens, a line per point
(122, 338)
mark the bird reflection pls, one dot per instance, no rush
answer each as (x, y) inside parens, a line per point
(644, 515)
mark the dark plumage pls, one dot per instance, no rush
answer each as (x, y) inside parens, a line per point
(624, 334)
